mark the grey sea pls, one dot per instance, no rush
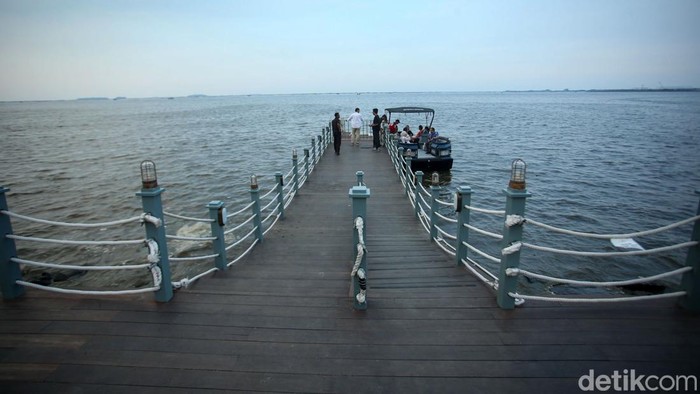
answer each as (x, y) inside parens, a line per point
(604, 162)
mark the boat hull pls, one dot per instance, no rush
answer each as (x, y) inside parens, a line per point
(431, 163)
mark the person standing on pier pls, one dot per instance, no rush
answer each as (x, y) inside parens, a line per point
(376, 127)
(337, 127)
(355, 124)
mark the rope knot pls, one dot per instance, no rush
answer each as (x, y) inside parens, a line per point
(514, 220)
(515, 247)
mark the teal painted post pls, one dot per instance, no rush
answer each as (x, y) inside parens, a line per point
(280, 193)
(321, 147)
(359, 196)
(419, 182)
(409, 178)
(515, 205)
(313, 150)
(10, 272)
(295, 171)
(690, 282)
(462, 197)
(255, 198)
(306, 164)
(151, 202)
(360, 178)
(217, 213)
(434, 206)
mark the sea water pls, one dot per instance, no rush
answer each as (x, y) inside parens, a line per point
(604, 162)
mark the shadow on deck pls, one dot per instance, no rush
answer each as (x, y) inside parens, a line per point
(281, 320)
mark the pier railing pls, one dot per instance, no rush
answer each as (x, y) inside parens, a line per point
(233, 235)
(448, 225)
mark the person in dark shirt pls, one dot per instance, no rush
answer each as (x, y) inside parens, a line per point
(337, 127)
(376, 128)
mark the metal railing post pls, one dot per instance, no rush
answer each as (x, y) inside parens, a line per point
(313, 150)
(152, 204)
(217, 213)
(295, 171)
(307, 170)
(359, 196)
(10, 271)
(515, 205)
(279, 178)
(463, 197)
(690, 282)
(434, 206)
(255, 198)
(419, 182)
(409, 178)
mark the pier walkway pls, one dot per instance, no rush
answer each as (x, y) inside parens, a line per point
(281, 319)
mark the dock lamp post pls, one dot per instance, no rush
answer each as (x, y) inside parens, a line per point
(151, 201)
(516, 194)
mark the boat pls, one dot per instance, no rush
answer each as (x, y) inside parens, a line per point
(433, 155)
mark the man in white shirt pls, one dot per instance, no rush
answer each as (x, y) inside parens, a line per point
(355, 121)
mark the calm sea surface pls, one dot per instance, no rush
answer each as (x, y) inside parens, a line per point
(596, 162)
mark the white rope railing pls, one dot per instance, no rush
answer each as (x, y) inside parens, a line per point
(445, 246)
(185, 283)
(517, 271)
(444, 203)
(609, 236)
(71, 242)
(187, 238)
(264, 196)
(446, 234)
(445, 218)
(232, 229)
(486, 211)
(234, 261)
(491, 283)
(238, 212)
(64, 224)
(88, 292)
(516, 246)
(193, 258)
(277, 217)
(191, 219)
(272, 201)
(359, 225)
(81, 267)
(483, 232)
(482, 254)
(242, 239)
(598, 300)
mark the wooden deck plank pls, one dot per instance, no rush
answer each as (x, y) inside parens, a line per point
(281, 320)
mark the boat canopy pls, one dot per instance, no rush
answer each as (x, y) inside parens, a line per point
(429, 112)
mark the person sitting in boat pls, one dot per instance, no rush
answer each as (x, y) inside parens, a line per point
(394, 127)
(431, 136)
(406, 134)
(416, 138)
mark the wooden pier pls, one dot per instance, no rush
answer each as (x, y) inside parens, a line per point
(281, 320)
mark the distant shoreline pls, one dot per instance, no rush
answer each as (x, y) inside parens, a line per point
(638, 90)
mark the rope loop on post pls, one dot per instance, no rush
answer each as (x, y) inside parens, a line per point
(514, 220)
(515, 247)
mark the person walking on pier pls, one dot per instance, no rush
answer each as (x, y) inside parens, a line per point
(376, 128)
(337, 127)
(355, 124)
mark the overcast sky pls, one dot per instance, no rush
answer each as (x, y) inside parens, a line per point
(64, 49)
